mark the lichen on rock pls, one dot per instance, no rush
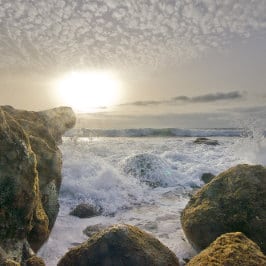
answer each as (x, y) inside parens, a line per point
(29, 162)
(120, 245)
(232, 201)
(232, 249)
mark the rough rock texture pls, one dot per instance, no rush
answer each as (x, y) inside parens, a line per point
(85, 210)
(45, 130)
(30, 162)
(35, 261)
(207, 177)
(120, 245)
(206, 141)
(232, 201)
(232, 249)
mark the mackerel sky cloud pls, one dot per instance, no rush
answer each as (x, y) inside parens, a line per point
(125, 33)
(171, 57)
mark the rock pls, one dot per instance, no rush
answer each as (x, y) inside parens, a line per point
(92, 229)
(29, 162)
(85, 210)
(19, 188)
(45, 130)
(120, 245)
(207, 177)
(9, 262)
(206, 141)
(232, 249)
(150, 169)
(35, 261)
(232, 201)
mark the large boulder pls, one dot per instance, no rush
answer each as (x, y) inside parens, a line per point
(232, 249)
(232, 201)
(30, 162)
(45, 130)
(120, 245)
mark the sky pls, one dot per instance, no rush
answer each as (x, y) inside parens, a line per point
(178, 63)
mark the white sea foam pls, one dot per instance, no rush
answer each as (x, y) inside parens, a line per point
(94, 171)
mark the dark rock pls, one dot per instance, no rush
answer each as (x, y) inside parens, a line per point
(207, 177)
(232, 201)
(29, 161)
(85, 210)
(120, 245)
(232, 249)
(206, 141)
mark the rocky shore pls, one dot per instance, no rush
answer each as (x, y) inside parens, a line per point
(224, 221)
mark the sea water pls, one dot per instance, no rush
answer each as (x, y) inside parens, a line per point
(103, 171)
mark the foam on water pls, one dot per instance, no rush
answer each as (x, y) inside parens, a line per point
(89, 178)
(95, 170)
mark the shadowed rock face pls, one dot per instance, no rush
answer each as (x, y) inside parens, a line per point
(232, 249)
(30, 175)
(120, 245)
(232, 201)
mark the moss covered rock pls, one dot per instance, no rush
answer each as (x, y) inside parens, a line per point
(232, 249)
(232, 201)
(29, 162)
(120, 245)
(35, 261)
(19, 186)
(45, 130)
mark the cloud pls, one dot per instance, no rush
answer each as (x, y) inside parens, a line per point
(211, 97)
(108, 32)
(143, 103)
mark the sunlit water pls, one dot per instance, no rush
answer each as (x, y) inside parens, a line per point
(94, 172)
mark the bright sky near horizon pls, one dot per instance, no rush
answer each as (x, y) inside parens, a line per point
(136, 63)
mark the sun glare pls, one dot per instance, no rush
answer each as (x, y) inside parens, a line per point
(89, 91)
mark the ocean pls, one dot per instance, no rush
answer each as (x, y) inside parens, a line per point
(142, 177)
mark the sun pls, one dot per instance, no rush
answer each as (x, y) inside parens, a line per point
(89, 91)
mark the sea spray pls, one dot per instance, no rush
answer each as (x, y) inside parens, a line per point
(88, 178)
(251, 149)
